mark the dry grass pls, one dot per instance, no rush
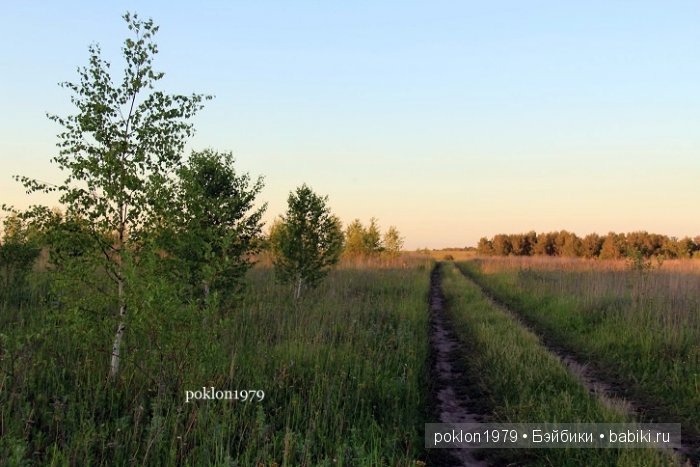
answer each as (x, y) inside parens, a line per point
(457, 255)
(668, 295)
(492, 264)
(404, 260)
(640, 326)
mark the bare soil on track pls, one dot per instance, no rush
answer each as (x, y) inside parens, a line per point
(451, 404)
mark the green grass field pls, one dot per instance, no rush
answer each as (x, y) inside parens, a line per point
(519, 380)
(344, 376)
(638, 330)
(345, 371)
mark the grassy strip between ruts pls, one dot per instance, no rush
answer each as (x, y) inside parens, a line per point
(520, 381)
(626, 338)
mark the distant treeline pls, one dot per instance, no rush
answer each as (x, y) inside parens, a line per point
(610, 246)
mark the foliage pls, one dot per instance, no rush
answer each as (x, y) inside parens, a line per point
(355, 243)
(215, 224)
(568, 244)
(124, 143)
(502, 245)
(307, 240)
(613, 246)
(591, 245)
(17, 256)
(545, 244)
(373, 238)
(392, 241)
(369, 241)
(120, 151)
(139, 231)
(637, 261)
(485, 247)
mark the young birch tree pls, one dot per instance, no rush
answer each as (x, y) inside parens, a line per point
(393, 241)
(120, 151)
(306, 241)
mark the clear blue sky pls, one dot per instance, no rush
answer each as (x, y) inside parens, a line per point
(450, 120)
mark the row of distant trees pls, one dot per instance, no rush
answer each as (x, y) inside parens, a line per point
(357, 240)
(308, 239)
(610, 246)
(368, 240)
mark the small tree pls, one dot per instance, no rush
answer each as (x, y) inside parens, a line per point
(373, 238)
(519, 246)
(393, 242)
(121, 150)
(355, 234)
(306, 241)
(216, 224)
(567, 244)
(613, 246)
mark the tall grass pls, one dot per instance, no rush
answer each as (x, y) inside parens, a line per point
(344, 373)
(522, 381)
(639, 328)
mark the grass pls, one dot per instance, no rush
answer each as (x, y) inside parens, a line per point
(344, 373)
(640, 329)
(521, 381)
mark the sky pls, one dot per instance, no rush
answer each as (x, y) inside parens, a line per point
(449, 120)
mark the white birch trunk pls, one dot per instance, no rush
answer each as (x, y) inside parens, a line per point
(205, 286)
(116, 347)
(297, 293)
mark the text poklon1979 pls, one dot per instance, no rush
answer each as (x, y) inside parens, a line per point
(211, 393)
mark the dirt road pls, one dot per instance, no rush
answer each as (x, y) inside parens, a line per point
(451, 405)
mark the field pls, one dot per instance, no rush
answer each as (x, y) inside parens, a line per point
(637, 330)
(517, 379)
(343, 374)
(350, 373)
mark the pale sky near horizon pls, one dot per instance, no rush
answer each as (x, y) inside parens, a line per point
(450, 120)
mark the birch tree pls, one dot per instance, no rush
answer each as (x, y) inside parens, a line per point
(355, 234)
(373, 238)
(306, 241)
(120, 151)
(393, 241)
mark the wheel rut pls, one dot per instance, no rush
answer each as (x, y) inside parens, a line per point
(450, 404)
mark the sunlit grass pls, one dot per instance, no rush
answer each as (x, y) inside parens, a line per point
(523, 382)
(640, 328)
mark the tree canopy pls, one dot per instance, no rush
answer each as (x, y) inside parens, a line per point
(611, 246)
(306, 241)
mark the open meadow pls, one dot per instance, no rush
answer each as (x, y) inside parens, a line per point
(343, 374)
(638, 330)
(512, 377)
(349, 374)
